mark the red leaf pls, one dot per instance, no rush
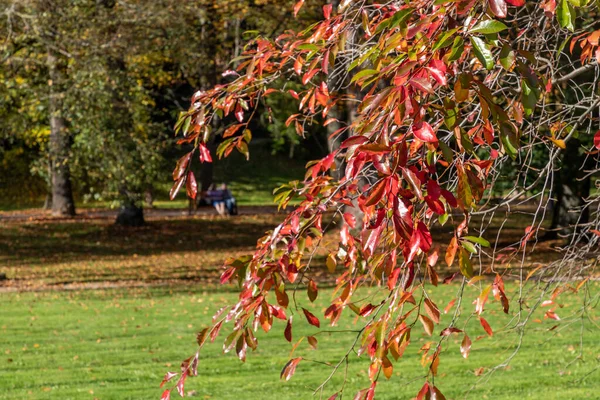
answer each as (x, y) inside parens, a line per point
(230, 131)
(433, 189)
(552, 315)
(180, 384)
(308, 76)
(516, 3)
(288, 330)
(450, 199)
(182, 164)
(498, 8)
(311, 318)
(239, 113)
(486, 326)
(191, 185)
(354, 140)
(168, 377)
(294, 94)
(350, 220)
(366, 310)
(289, 368)
(322, 94)
(375, 148)
(414, 182)
(421, 84)
(597, 140)
(204, 153)
(465, 346)
(435, 205)
(298, 65)
(312, 341)
(449, 306)
(176, 186)
(450, 331)
(166, 395)
(240, 348)
(226, 276)
(376, 193)
(424, 132)
(423, 391)
(313, 292)
(327, 11)
(437, 69)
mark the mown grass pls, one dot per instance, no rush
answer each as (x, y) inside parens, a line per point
(117, 344)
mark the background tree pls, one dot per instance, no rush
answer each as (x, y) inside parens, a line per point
(451, 92)
(122, 70)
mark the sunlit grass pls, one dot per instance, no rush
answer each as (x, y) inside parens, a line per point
(117, 344)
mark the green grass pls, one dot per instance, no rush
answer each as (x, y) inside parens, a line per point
(117, 344)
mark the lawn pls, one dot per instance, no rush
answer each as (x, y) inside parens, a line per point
(117, 344)
(156, 286)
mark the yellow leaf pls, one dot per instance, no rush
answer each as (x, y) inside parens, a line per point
(559, 143)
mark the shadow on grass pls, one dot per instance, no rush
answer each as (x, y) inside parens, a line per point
(50, 241)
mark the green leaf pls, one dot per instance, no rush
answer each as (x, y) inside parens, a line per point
(507, 57)
(309, 46)
(528, 97)
(483, 52)
(509, 140)
(464, 262)
(565, 13)
(457, 49)
(400, 16)
(464, 192)
(489, 26)
(186, 125)
(446, 152)
(469, 247)
(450, 117)
(364, 73)
(445, 40)
(479, 240)
(181, 120)
(442, 219)
(247, 135)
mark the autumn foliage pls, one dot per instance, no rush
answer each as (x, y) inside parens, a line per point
(444, 93)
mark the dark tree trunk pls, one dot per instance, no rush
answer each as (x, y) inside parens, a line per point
(570, 192)
(59, 145)
(48, 199)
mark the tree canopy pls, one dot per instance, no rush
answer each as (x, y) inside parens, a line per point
(441, 97)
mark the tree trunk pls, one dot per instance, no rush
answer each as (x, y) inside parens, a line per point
(570, 192)
(59, 145)
(48, 199)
